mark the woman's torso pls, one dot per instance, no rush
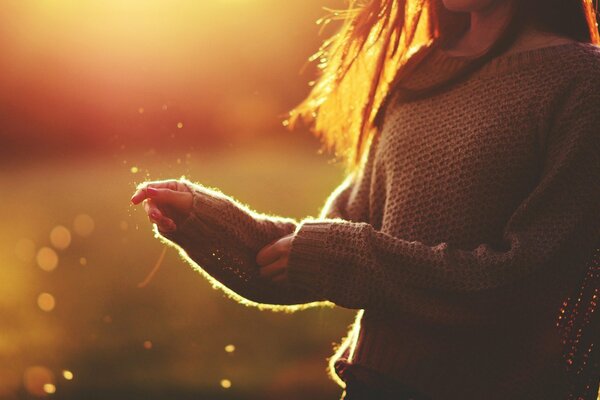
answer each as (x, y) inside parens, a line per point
(453, 168)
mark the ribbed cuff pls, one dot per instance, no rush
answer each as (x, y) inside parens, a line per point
(207, 206)
(308, 255)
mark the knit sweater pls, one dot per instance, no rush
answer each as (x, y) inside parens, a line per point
(473, 217)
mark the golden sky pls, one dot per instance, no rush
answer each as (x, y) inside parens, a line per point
(81, 69)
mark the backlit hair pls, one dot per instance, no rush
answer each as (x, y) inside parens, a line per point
(381, 40)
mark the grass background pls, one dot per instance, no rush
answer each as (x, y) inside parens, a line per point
(101, 318)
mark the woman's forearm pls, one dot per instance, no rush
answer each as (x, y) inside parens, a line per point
(221, 238)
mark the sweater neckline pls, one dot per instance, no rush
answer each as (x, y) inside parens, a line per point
(445, 62)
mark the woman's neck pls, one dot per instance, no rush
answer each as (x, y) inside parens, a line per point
(529, 39)
(486, 26)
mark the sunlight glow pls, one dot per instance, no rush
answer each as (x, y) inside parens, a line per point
(97, 83)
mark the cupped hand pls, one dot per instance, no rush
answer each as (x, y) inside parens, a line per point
(168, 203)
(273, 259)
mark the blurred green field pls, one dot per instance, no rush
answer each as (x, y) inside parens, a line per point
(167, 340)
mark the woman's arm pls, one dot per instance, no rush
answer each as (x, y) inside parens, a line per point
(222, 236)
(356, 266)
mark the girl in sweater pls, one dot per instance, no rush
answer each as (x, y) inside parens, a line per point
(467, 228)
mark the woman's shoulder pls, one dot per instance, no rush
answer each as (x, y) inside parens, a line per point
(535, 41)
(577, 76)
(589, 52)
(568, 65)
(556, 54)
(583, 58)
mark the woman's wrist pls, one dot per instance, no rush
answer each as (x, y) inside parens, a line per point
(306, 260)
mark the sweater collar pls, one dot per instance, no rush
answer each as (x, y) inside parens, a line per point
(442, 60)
(439, 65)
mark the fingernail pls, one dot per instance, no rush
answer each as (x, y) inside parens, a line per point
(151, 191)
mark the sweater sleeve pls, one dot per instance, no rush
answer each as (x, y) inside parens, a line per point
(356, 266)
(222, 237)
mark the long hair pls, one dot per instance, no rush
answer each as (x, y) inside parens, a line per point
(381, 41)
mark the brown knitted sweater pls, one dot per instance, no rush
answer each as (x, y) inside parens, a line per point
(472, 219)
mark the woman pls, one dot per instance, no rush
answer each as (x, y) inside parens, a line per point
(469, 220)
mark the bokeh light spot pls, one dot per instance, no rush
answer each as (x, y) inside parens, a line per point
(49, 388)
(134, 170)
(225, 383)
(36, 378)
(180, 125)
(141, 110)
(25, 250)
(60, 237)
(230, 348)
(83, 225)
(83, 261)
(68, 375)
(47, 259)
(147, 344)
(46, 302)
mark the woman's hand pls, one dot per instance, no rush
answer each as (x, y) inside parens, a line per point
(273, 259)
(167, 203)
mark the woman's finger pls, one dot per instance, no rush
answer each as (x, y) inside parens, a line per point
(154, 213)
(178, 201)
(138, 196)
(141, 192)
(274, 269)
(166, 225)
(158, 216)
(268, 254)
(276, 249)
